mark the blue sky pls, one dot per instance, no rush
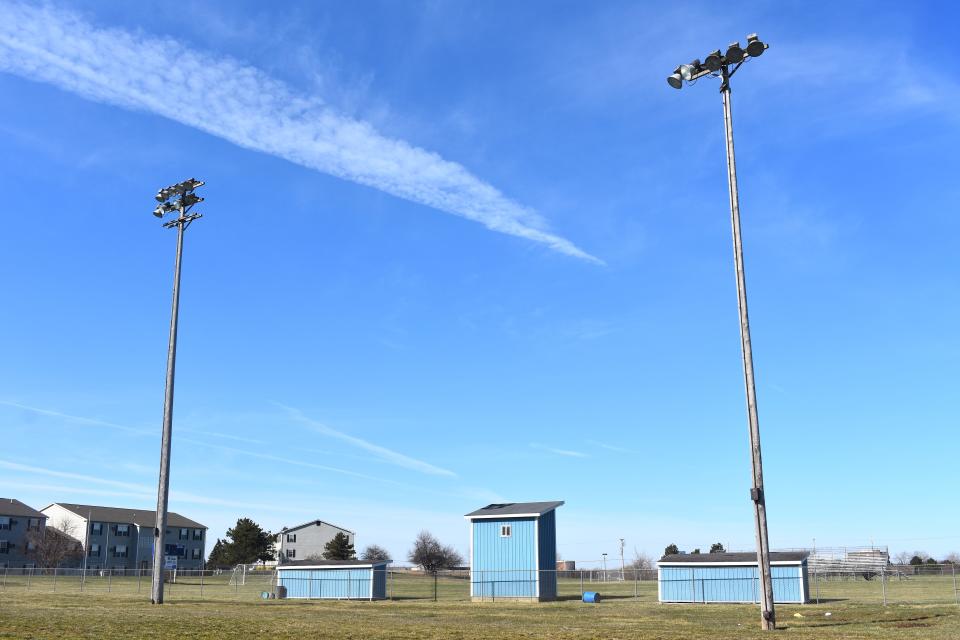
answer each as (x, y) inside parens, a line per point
(455, 253)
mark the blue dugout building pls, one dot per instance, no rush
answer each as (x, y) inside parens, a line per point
(333, 580)
(730, 577)
(513, 551)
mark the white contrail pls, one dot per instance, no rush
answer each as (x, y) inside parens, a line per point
(383, 453)
(239, 103)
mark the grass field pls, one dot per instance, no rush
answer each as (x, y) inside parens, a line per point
(236, 612)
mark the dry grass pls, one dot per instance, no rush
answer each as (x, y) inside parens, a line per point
(31, 614)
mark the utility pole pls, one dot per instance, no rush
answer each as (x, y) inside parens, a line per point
(604, 567)
(718, 65)
(623, 567)
(177, 198)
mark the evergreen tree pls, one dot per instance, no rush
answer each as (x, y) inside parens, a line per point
(717, 547)
(671, 550)
(248, 543)
(695, 552)
(218, 557)
(339, 548)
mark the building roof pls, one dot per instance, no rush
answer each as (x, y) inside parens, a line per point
(514, 510)
(139, 517)
(319, 564)
(317, 523)
(13, 507)
(733, 558)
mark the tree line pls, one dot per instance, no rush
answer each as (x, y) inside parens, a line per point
(248, 543)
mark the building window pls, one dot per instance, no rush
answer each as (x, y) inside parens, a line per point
(198, 534)
(4, 546)
(291, 537)
(120, 551)
(506, 530)
(195, 554)
(94, 550)
(123, 530)
(34, 524)
(31, 546)
(291, 553)
(96, 528)
(4, 522)
(184, 534)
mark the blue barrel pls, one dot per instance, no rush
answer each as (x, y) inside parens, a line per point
(591, 596)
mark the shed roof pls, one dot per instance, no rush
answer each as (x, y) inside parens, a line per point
(317, 523)
(514, 509)
(320, 564)
(13, 507)
(732, 558)
(141, 517)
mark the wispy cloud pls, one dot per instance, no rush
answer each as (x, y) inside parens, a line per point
(560, 452)
(93, 422)
(610, 447)
(383, 453)
(118, 488)
(236, 102)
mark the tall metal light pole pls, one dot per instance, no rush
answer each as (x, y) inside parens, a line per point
(718, 65)
(177, 198)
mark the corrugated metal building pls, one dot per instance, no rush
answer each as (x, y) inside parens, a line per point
(513, 551)
(731, 577)
(333, 580)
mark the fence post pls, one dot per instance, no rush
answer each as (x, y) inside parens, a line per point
(883, 584)
(54, 579)
(4, 578)
(109, 579)
(434, 585)
(139, 575)
(636, 586)
(816, 578)
(390, 575)
(28, 579)
(201, 584)
(956, 596)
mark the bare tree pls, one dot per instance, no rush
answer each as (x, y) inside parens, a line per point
(902, 558)
(375, 553)
(641, 561)
(55, 545)
(428, 553)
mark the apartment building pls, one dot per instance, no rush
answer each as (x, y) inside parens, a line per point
(20, 527)
(117, 538)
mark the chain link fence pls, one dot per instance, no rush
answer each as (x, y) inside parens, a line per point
(925, 584)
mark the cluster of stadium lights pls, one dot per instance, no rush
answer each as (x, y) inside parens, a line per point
(178, 197)
(714, 62)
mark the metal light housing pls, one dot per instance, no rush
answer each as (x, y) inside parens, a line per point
(754, 46)
(734, 53)
(675, 80)
(714, 61)
(687, 71)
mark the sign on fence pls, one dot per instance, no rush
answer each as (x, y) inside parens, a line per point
(169, 562)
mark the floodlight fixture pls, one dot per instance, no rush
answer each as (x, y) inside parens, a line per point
(734, 53)
(714, 61)
(675, 79)
(687, 71)
(755, 47)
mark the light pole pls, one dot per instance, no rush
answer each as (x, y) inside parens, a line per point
(623, 567)
(177, 198)
(718, 65)
(604, 567)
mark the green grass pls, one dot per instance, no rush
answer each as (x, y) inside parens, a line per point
(227, 611)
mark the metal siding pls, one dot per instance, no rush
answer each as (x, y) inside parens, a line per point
(734, 583)
(548, 555)
(334, 583)
(504, 567)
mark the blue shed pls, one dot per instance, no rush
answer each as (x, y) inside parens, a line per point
(333, 580)
(513, 551)
(730, 577)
